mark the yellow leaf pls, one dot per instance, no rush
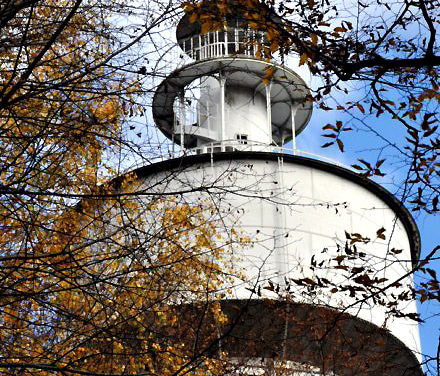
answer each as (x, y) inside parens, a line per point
(193, 17)
(314, 39)
(303, 59)
(268, 75)
(274, 46)
(206, 27)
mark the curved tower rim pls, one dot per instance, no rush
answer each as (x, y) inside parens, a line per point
(400, 210)
(169, 88)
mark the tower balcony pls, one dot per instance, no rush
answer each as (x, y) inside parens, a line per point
(234, 100)
(219, 43)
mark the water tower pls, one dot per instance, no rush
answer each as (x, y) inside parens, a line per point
(299, 212)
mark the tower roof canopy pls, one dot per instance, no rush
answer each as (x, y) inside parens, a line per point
(186, 28)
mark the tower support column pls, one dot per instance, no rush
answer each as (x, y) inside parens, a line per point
(293, 108)
(182, 120)
(269, 112)
(222, 81)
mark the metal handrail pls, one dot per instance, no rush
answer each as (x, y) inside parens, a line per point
(242, 146)
(222, 43)
(235, 146)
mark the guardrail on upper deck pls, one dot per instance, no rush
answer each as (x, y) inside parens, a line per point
(243, 145)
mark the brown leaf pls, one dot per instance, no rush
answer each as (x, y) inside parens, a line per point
(357, 167)
(361, 108)
(340, 144)
(380, 233)
(356, 270)
(193, 17)
(329, 126)
(327, 144)
(432, 273)
(435, 203)
(271, 287)
(365, 163)
(430, 132)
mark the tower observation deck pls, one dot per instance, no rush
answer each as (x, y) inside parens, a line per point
(297, 212)
(236, 104)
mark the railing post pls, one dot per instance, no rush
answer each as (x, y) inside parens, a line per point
(236, 40)
(182, 119)
(226, 41)
(222, 81)
(269, 112)
(293, 108)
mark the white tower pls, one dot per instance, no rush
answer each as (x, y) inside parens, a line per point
(300, 213)
(237, 104)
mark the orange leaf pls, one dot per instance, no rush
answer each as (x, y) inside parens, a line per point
(194, 17)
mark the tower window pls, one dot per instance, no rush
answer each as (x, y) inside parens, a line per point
(242, 138)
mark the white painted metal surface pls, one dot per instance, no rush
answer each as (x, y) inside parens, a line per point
(292, 213)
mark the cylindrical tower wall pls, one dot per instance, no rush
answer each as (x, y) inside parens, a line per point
(299, 216)
(245, 113)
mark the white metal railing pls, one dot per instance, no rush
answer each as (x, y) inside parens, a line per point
(233, 41)
(248, 145)
(175, 151)
(265, 366)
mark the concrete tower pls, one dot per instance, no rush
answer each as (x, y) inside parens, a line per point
(303, 216)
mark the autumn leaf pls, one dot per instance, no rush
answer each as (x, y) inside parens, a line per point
(340, 145)
(360, 107)
(206, 27)
(327, 144)
(303, 59)
(357, 167)
(193, 17)
(380, 233)
(268, 74)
